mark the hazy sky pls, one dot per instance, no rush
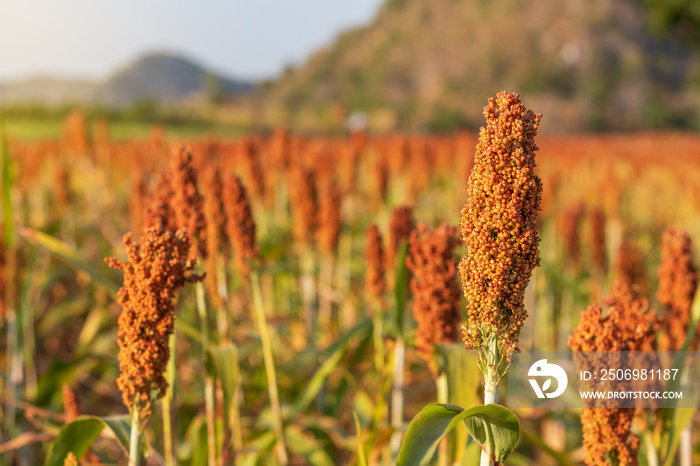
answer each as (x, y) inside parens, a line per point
(244, 38)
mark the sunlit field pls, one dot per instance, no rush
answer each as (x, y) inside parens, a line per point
(296, 299)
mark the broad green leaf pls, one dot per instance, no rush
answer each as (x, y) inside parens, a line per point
(79, 435)
(7, 180)
(495, 427)
(68, 255)
(75, 437)
(463, 386)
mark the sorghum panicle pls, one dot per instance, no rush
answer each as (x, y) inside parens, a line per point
(155, 268)
(374, 257)
(187, 202)
(678, 281)
(217, 239)
(400, 227)
(137, 200)
(240, 226)
(71, 405)
(571, 222)
(629, 267)
(329, 217)
(304, 203)
(158, 210)
(499, 226)
(629, 325)
(598, 241)
(436, 293)
(71, 460)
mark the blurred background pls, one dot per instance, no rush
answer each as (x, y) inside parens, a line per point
(315, 66)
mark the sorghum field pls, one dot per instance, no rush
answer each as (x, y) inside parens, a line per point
(290, 299)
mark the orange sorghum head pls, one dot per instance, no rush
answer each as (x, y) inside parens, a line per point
(71, 405)
(598, 241)
(240, 225)
(629, 267)
(400, 227)
(678, 281)
(304, 203)
(187, 202)
(499, 226)
(155, 268)
(628, 325)
(329, 209)
(436, 293)
(158, 210)
(374, 257)
(71, 460)
(571, 222)
(217, 239)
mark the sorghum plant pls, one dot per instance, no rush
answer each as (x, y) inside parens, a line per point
(154, 270)
(500, 233)
(628, 325)
(436, 294)
(678, 281)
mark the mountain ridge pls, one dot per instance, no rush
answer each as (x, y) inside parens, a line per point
(432, 64)
(161, 76)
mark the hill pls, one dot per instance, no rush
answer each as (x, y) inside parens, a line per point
(161, 77)
(584, 64)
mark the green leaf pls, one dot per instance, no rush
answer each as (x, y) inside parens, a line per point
(361, 458)
(68, 255)
(302, 444)
(79, 435)
(75, 437)
(7, 180)
(339, 348)
(675, 420)
(495, 427)
(559, 457)
(463, 385)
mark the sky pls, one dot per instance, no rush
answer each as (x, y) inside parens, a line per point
(253, 39)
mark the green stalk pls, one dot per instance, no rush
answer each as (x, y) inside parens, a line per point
(208, 382)
(491, 387)
(222, 289)
(167, 405)
(652, 454)
(308, 296)
(134, 454)
(378, 337)
(269, 367)
(397, 398)
(441, 386)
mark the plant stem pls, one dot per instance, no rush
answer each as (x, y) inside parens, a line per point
(308, 296)
(269, 366)
(378, 338)
(208, 382)
(397, 398)
(167, 405)
(490, 388)
(441, 385)
(135, 437)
